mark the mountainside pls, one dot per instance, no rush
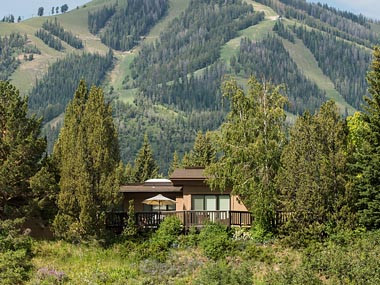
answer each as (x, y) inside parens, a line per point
(161, 62)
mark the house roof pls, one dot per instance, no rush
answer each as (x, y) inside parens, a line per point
(149, 189)
(195, 173)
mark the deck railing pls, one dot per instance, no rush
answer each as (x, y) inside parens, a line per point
(117, 220)
(145, 220)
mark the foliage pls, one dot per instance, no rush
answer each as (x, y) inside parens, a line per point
(367, 167)
(191, 42)
(124, 24)
(283, 31)
(215, 241)
(55, 89)
(10, 47)
(44, 185)
(203, 152)
(312, 179)
(87, 154)
(130, 229)
(21, 149)
(15, 253)
(251, 142)
(49, 39)
(348, 76)
(145, 166)
(162, 240)
(220, 273)
(269, 60)
(55, 28)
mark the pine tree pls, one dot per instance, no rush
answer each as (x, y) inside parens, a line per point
(21, 149)
(174, 164)
(145, 166)
(88, 161)
(203, 152)
(312, 178)
(251, 142)
(368, 164)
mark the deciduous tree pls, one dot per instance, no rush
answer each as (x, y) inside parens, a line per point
(251, 141)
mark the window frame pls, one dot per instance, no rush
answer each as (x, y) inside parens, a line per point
(204, 201)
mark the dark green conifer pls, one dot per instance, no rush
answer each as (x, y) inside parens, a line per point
(312, 178)
(203, 152)
(368, 160)
(21, 149)
(88, 159)
(145, 166)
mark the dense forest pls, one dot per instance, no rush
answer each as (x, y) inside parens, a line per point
(349, 75)
(326, 20)
(192, 41)
(124, 24)
(49, 39)
(55, 28)
(10, 47)
(269, 61)
(55, 89)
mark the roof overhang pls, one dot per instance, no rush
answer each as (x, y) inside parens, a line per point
(149, 189)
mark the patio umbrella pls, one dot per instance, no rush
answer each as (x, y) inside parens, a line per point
(159, 200)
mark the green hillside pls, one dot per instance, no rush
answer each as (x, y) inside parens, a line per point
(189, 86)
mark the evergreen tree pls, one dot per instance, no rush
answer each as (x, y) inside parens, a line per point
(203, 152)
(176, 163)
(251, 141)
(368, 164)
(312, 178)
(21, 150)
(88, 159)
(145, 166)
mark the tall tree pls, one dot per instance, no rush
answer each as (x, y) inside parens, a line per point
(203, 152)
(312, 178)
(21, 149)
(251, 142)
(145, 166)
(368, 164)
(176, 163)
(40, 11)
(88, 159)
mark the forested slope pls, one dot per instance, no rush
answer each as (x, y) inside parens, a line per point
(169, 57)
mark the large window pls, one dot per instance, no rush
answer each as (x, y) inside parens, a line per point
(210, 202)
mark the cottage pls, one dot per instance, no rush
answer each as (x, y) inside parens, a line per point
(195, 203)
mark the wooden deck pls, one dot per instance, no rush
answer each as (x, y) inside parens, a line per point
(151, 220)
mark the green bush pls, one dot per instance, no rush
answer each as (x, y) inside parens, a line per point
(15, 253)
(220, 273)
(214, 241)
(356, 260)
(162, 240)
(190, 239)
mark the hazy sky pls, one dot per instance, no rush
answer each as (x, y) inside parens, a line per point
(28, 8)
(369, 8)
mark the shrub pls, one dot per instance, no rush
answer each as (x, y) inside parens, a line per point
(220, 273)
(165, 237)
(292, 276)
(15, 253)
(190, 239)
(130, 229)
(214, 241)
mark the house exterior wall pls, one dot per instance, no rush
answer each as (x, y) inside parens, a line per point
(183, 199)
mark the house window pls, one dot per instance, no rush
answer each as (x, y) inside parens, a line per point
(156, 208)
(210, 202)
